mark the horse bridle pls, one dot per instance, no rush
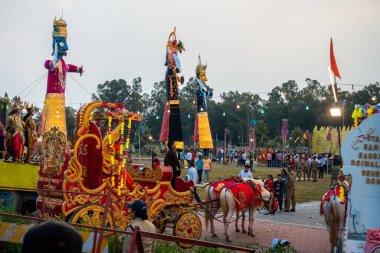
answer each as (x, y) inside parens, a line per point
(266, 203)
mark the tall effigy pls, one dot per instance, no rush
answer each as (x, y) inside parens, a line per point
(54, 105)
(55, 150)
(171, 128)
(202, 132)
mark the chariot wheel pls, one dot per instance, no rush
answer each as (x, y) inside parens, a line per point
(187, 225)
(91, 215)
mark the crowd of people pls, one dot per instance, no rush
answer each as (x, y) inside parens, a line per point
(306, 165)
(295, 166)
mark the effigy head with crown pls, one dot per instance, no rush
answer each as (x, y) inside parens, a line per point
(60, 38)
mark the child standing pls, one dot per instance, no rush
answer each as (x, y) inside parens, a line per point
(206, 169)
(192, 173)
(269, 183)
(278, 187)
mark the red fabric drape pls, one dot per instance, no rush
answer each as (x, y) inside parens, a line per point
(165, 124)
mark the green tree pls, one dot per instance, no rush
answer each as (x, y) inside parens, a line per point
(155, 110)
(296, 137)
(119, 91)
(70, 120)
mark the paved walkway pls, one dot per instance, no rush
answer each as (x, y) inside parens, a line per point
(306, 214)
(304, 229)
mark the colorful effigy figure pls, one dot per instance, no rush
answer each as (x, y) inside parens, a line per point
(171, 129)
(202, 132)
(15, 132)
(54, 106)
(30, 132)
(55, 149)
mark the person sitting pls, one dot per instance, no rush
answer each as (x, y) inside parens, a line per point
(52, 236)
(140, 213)
(171, 159)
(155, 161)
(245, 173)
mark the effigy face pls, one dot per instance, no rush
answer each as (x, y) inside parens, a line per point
(62, 46)
(202, 74)
(15, 122)
(203, 77)
(54, 146)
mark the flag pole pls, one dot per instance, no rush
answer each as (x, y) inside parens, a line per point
(333, 83)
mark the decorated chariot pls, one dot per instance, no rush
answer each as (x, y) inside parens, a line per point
(99, 169)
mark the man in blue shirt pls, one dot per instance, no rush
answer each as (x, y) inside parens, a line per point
(199, 166)
(322, 163)
(245, 173)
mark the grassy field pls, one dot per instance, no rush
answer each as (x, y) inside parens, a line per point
(305, 190)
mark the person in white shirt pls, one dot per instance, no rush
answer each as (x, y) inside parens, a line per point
(188, 157)
(244, 157)
(192, 176)
(245, 173)
(192, 173)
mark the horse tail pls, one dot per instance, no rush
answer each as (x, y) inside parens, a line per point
(334, 225)
(207, 209)
(223, 201)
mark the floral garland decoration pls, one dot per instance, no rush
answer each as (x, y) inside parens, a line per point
(364, 111)
(120, 162)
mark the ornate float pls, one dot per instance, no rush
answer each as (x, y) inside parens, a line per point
(99, 166)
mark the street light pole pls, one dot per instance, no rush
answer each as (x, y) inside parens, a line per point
(336, 113)
(343, 105)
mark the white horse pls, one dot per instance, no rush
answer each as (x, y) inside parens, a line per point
(230, 205)
(333, 208)
(212, 204)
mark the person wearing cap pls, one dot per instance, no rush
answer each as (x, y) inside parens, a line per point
(245, 173)
(314, 165)
(305, 169)
(299, 169)
(335, 169)
(140, 213)
(290, 191)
